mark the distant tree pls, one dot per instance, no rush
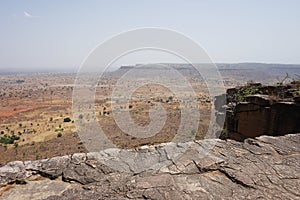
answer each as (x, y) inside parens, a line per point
(51, 92)
(280, 82)
(67, 119)
(20, 81)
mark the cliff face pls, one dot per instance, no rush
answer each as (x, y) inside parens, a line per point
(266, 167)
(256, 110)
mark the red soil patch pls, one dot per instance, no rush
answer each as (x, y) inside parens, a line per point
(9, 111)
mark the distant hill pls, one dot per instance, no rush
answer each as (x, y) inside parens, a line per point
(228, 66)
(256, 66)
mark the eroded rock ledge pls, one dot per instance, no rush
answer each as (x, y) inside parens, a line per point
(265, 167)
(254, 110)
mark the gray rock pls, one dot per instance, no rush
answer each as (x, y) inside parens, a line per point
(262, 168)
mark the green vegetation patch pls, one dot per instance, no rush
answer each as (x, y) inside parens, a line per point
(9, 140)
(244, 92)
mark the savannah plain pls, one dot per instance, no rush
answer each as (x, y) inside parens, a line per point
(36, 119)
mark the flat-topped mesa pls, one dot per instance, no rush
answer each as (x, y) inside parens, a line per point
(265, 167)
(255, 110)
(126, 67)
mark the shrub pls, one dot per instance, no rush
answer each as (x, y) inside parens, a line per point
(297, 92)
(6, 140)
(241, 94)
(15, 137)
(20, 81)
(67, 119)
(9, 140)
(59, 135)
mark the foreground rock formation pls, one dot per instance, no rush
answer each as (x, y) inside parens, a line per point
(262, 168)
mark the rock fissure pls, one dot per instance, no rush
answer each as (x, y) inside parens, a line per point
(234, 179)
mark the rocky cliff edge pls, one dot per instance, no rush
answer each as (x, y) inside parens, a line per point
(262, 168)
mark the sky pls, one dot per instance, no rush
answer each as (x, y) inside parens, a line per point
(58, 34)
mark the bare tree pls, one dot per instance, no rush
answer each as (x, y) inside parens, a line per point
(280, 82)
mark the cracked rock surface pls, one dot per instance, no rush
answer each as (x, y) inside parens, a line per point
(262, 168)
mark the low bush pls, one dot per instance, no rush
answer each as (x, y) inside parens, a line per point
(67, 119)
(9, 140)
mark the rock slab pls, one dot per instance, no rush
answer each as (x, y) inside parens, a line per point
(261, 168)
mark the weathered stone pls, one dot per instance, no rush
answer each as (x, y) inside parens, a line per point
(39, 189)
(254, 84)
(246, 107)
(258, 115)
(258, 99)
(262, 168)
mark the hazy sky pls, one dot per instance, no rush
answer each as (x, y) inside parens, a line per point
(59, 34)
